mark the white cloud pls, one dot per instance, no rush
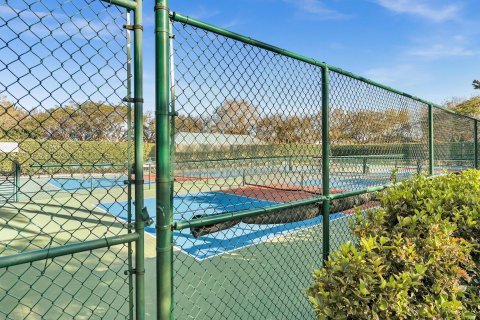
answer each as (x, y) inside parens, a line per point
(202, 13)
(316, 9)
(40, 24)
(443, 51)
(422, 8)
(8, 11)
(230, 24)
(405, 75)
(336, 45)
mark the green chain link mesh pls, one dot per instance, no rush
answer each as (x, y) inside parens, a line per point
(63, 76)
(248, 135)
(453, 142)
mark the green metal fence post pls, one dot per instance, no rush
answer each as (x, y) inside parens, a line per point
(431, 159)
(163, 180)
(129, 166)
(475, 142)
(325, 163)
(173, 114)
(138, 154)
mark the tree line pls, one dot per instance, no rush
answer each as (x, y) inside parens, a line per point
(87, 121)
(99, 121)
(351, 126)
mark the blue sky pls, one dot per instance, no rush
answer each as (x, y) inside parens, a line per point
(429, 48)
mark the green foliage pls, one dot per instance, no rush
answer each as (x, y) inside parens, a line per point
(409, 150)
(61, 152)
(57, 151)
(447, 150)
(383, 126)
(36, 151)
(476, 84)
(469, 107)
(85, 121)
(416, 258)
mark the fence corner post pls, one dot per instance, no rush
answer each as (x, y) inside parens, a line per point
(431, 158)
(325, 163)
(164, 210)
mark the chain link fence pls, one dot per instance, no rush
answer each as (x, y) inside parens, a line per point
(262, 156)
(251, 122)
(453, 141)
(65, 154)
(257, 204)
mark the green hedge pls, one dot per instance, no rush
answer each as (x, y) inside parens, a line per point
(450, 151)
(246, 151)
(416, 256)
(34, 152)
(52, 151)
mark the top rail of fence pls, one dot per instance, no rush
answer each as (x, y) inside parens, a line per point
(247, 40)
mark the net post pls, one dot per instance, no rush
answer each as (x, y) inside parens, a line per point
(430, 141)
(475, 142)
(17, 180)
(138, 163)
(164, 212)
(325, 164)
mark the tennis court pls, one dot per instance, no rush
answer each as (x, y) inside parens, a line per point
(223, 187)
(87, 183)
(90, 182)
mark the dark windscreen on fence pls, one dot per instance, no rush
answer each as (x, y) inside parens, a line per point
(453, 142)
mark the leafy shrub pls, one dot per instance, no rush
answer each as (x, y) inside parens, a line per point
(416, 256)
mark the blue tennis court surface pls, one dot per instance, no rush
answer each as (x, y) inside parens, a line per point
(237, 237)
(88, 183)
